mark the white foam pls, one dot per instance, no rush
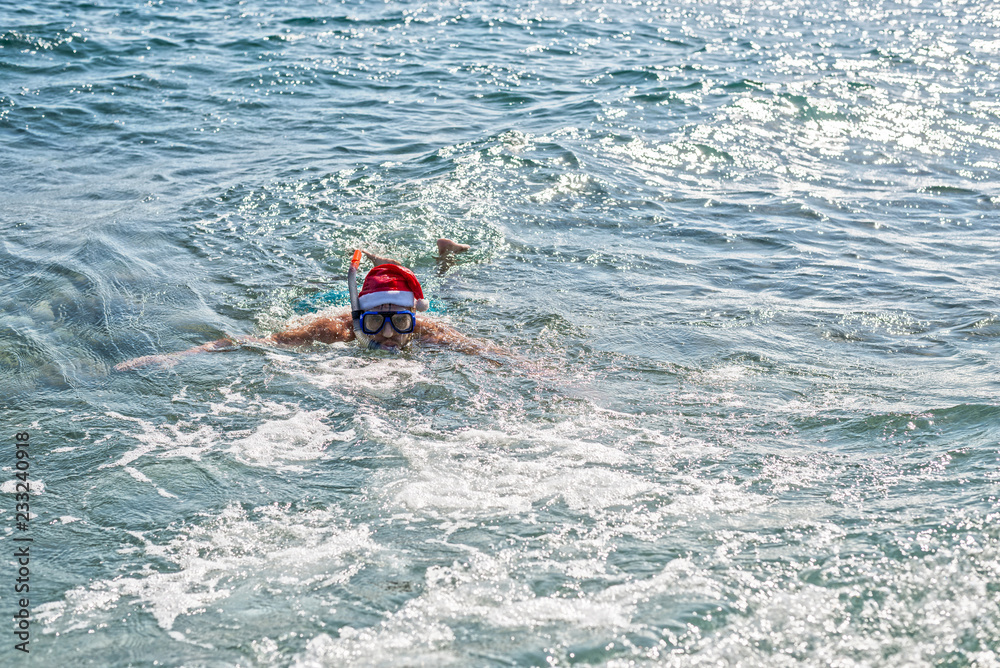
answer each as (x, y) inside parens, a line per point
(141, 477)
(302, 437)
(922, 608)
(482, 592)
(282, 433)
(174, 440)
(483, 473)
(351, 374)
(35, 486)
(209, 562)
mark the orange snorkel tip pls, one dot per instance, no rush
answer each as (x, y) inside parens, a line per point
(352, 284)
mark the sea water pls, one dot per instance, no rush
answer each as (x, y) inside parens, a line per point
(742, 258)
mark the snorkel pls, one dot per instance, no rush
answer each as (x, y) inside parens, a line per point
(352, 286)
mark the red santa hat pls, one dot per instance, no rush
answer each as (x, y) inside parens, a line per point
(392, 284)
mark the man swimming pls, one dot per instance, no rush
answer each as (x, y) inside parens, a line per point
(383, 316)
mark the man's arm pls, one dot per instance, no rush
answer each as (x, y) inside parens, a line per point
(324, 330)
(446, 335)
(168, 360)
(332, 329)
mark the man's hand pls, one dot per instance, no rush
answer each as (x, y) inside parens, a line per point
(162, 361)
(170, 359)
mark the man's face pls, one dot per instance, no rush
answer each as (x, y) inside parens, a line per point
(387, 336)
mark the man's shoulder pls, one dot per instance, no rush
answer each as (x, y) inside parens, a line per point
(428, 328)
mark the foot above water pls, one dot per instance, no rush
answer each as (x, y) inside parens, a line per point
(446, 246)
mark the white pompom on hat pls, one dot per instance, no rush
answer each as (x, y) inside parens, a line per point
(392, 284)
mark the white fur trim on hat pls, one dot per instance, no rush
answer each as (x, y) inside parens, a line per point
(396, 297)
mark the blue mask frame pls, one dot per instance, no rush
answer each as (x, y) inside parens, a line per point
(387, 317)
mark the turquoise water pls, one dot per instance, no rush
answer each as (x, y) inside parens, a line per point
(743, 255)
